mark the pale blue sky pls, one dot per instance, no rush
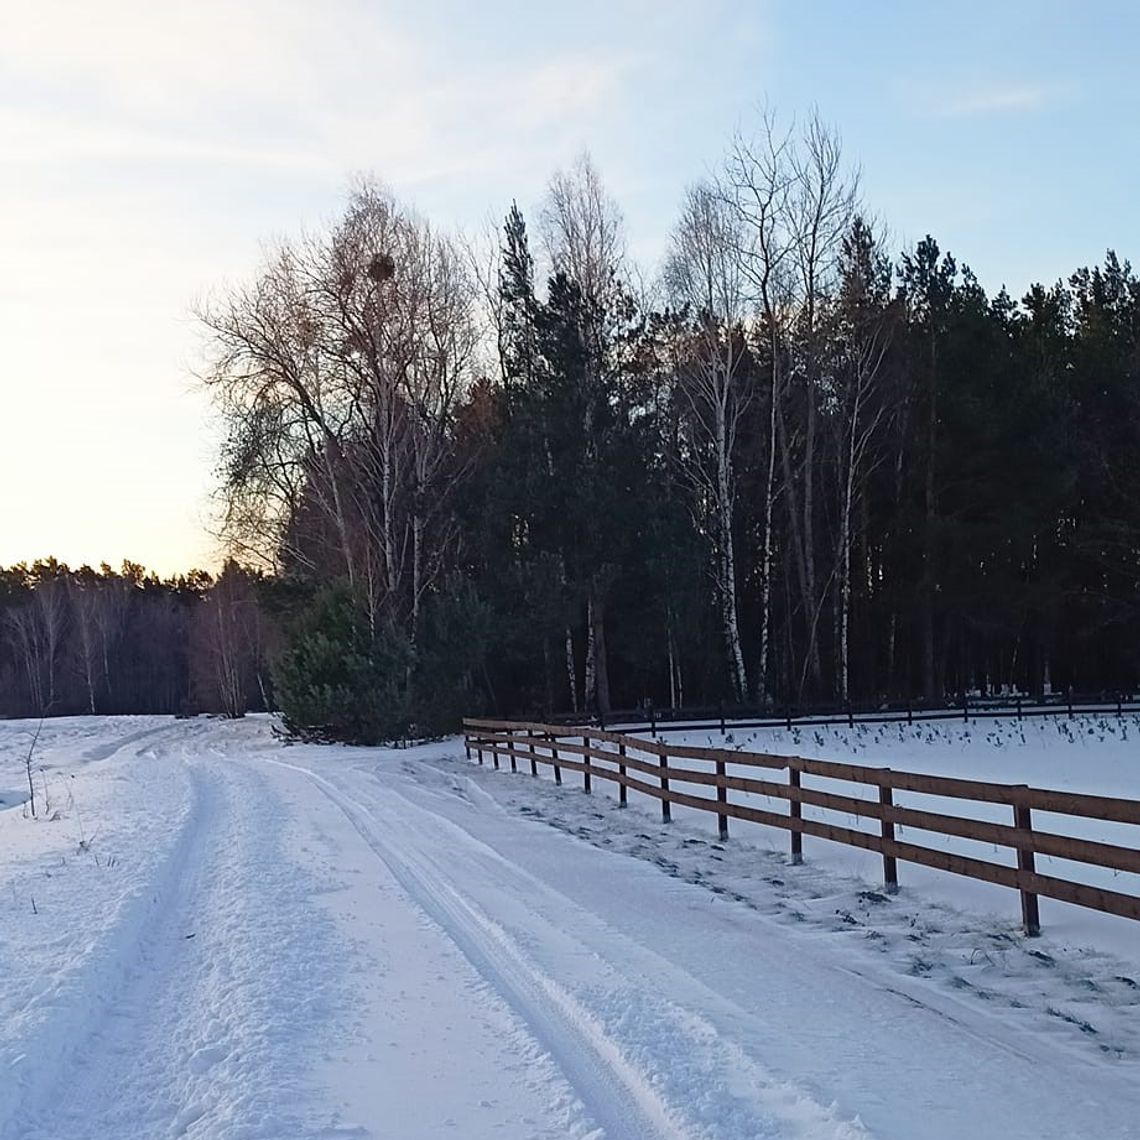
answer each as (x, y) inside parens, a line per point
(147, 149)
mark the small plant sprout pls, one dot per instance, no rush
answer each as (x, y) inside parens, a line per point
(28, 766)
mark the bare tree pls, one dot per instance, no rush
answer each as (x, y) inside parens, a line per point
(338, 374)
(281, 405)
(706, 279)
(583, 232)
(112, 603)
(84, 589)
(823, 200)
(796, 199)
(24, 626)
(449, 335)
(757, 184)
(38, 628)
(228, 643)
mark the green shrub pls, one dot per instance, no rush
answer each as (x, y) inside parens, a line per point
(339, 679)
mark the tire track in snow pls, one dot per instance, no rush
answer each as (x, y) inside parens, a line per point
(626, 1049)
(677, 1027)
(175, 1026)
(67, 1041)
(105, 751)
(621, 1100)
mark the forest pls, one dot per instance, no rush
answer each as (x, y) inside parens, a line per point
(789, 467)
(125, 641)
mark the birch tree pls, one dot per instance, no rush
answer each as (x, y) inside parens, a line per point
(84, 589)
(757, 185)
(705, 278)
(795, 198)
(822, 205)
(338, 373)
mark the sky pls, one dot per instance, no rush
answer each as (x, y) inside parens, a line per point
(149, 151)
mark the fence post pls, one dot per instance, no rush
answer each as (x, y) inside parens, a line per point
(796, 811)
(909, 711)
(722, 718)
(1030, 917)
(586, 763)
(623, 791)
(1070, 703)
(850, 716)
(495, 751)
(511, 748)
(479, 744)
(965, 708)
(722, 797)
(467, 741)
(1119, 711)
(1019, 708)
(533, 760)
(887, 831)
(666, 811)
(788, 715)
(554, 761)
(652, 720)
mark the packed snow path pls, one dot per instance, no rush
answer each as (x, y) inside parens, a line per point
(248, 940)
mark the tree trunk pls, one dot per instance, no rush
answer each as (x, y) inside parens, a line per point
(794, 522)
(929, 685)
(676, 683)
(590, 687)
(808, 535)
(417, 573)
(571, 671)
(763, 692)
(845, 584)
(601, 666)
(726, 562)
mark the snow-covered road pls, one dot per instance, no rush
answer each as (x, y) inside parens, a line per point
(219, 936)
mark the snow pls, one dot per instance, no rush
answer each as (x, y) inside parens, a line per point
(1095, 755)
(212, 934)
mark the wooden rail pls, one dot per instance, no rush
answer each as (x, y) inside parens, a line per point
(654, 768)
(737, 717)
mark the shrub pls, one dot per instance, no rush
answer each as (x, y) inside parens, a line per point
(340, 678)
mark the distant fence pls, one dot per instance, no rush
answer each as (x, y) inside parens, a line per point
(602, 755)
(727, 716)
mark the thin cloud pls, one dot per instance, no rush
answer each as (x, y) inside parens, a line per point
(280, 86)
(480, 122)
(985, 100)
(179, 59)
(31, 138)
(999, 100)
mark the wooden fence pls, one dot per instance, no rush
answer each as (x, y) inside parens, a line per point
(652, 768)
(737, 717)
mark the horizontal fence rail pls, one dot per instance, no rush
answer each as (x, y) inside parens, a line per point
(726, 717)
(660, 770)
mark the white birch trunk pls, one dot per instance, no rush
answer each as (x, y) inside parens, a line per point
(727, 560)
(762, 690)
(591, 681)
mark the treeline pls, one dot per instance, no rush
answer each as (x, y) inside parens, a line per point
(105, 641)
(792, 468)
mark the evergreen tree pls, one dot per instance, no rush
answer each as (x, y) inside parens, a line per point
(340, 679)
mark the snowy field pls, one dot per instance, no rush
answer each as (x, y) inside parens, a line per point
(210, 934)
